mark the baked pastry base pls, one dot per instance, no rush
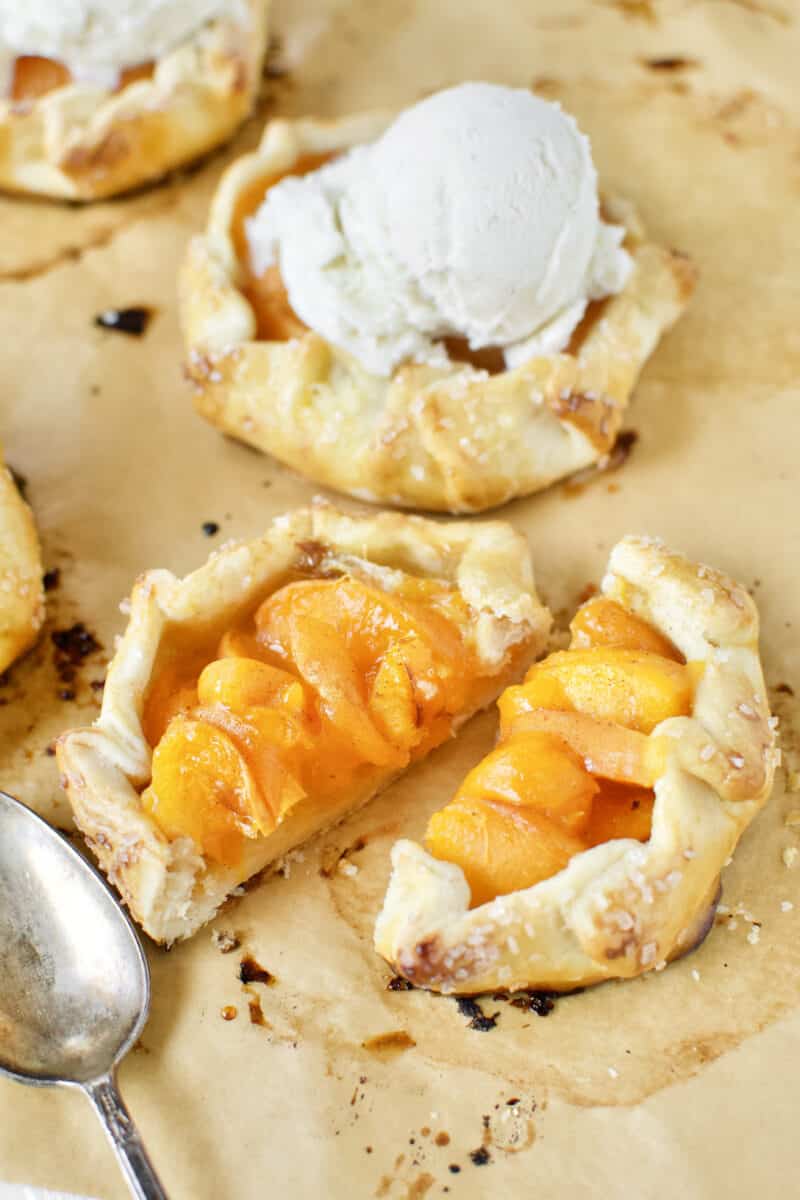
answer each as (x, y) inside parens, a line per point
(168, 886)
(620, 908)
(421, 438)
(84, 143)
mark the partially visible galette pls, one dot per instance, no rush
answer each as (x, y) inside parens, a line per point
(101, 96)
(21, 591)
(589, 844)
(280, 687)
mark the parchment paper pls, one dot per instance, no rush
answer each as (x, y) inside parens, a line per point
(682, 1083)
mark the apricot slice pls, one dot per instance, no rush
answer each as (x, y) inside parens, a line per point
(608, 750)
(239, 643)
(272, 744)
(535, 771)
(604, 622)
(242, 683)
(173, 691)
(35, 76)
(620, 811)
(392, 702)
(630, 687)
(276, 320)
(338, 633)
(369, 620)
(203, 789)
(406, 695)
(499, 848)
(323, 660)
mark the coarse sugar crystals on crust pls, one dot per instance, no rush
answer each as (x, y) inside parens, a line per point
(81, 141)
(455, 438)
(622, 907)
(167, 883)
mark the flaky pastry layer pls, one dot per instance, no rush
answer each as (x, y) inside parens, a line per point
(168, 886)
(21, 590)
(81, 142)
(623, 907)
(453, 438)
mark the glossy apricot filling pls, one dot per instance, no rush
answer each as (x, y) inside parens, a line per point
(575, 762)
(331, 683)
(276, 320)
(34, 76)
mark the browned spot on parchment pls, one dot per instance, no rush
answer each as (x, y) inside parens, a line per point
(642, 10)
(393, 1042)
(670, 63)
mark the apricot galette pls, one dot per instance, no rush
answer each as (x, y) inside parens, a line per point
(588, 845)
(463, 435)
(283, 685)
(99, 98)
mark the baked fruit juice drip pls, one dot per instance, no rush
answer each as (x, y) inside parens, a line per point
(331, 679)
(575, 763)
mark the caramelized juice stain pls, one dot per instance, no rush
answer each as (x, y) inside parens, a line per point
(616, 458)
(394, 1042)
(133, 321)
(257, 1013)
(251, 971)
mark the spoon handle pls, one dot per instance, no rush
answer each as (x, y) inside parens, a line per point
(124, 1137)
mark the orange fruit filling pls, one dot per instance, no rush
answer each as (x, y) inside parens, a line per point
(34, 76)
(276, 320)
(576, 759)
(329, 680)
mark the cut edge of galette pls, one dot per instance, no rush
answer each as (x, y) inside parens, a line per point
(173, 884)
(624, 906)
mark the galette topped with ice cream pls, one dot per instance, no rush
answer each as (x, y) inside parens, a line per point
(389, 283)
(100, 96)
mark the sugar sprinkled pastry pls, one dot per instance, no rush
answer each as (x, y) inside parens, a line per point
(589, 844)
(280, 687)
(435, 310)
(100, 96)
(21, 590)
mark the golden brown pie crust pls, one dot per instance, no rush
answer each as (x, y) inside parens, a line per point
(421, 438)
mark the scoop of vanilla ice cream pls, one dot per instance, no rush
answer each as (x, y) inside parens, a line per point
(96, 39)
(475, 215)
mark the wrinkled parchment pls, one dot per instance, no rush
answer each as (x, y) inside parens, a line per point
(680, 1083)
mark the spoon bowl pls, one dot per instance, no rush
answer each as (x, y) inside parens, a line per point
(74, 980)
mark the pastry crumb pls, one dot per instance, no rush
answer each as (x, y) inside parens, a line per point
(786, 906)
(224, 941)
(695, 975)
(790, 856)
(613, 1072)
(345, 867)
(754, 935)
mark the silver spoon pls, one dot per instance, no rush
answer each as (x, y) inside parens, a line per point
(74, 981)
